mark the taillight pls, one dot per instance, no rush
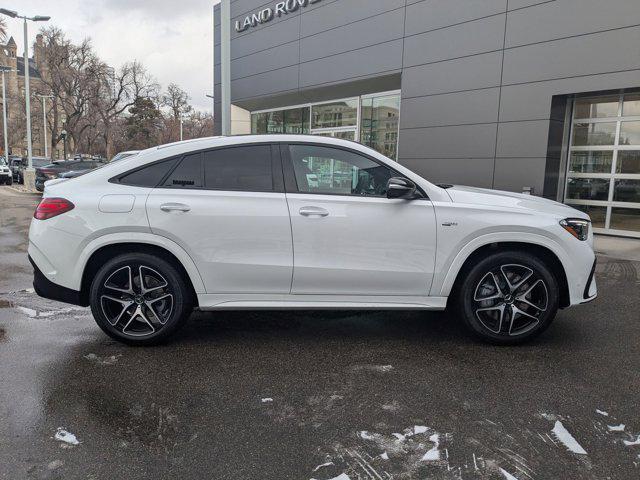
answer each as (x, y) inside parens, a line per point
(52, 207)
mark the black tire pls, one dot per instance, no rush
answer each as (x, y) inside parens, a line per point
(10, 181)
(163, 309)
(519, 321)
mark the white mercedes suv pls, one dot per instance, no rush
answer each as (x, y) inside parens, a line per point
(301, 222)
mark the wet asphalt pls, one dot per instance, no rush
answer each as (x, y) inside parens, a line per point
(301, 395)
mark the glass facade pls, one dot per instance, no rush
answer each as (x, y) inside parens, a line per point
(372, 119)
(603, 173)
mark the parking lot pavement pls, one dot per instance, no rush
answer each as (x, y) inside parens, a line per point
(301, 395)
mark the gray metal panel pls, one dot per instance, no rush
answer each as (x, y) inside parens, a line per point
(569, 18)
(585, 55)
(475, 106)
(479, 71)
(529, 101)
(470, 141)
(372, 31)
(266, 83)
(469, 38)
(477, 172)
(272, 59)
(523, 139)
(515, 173)
(369, 61)
(429, 15)
(348, 12)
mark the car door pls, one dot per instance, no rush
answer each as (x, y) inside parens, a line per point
(348, 237)
(227, 208)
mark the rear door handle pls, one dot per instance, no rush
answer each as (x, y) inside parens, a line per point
(313, 212)
(174, 207)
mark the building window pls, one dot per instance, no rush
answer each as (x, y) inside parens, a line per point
(603, 177)
(371, 119)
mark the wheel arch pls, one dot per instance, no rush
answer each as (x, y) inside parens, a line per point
(543, 252)
(100, 255)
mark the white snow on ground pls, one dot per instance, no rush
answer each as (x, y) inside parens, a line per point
(601, 412)
(110, 360)
(629, 443)
(507, 475)
(616, 428)
(328, 464)
(67, 437)
(563, 435)
(434, 453)
(419, 429)
(384, 456)
(342, 476)
(30, 312)
(267, 400)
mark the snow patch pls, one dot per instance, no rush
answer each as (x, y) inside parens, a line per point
(433, 454)
(267, 400)
(507, 475)
(616, 428)
(328, 464)
(342, 476)
(563, 435)
(384, 456)
(92, 357)
(602, 412)
(30, 312)
(420, 429)
(629, 443)
(67, 437)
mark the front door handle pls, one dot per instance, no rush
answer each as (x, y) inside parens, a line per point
(175, 207)
(313, 212)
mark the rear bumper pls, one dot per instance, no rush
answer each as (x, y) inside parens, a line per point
(47, 289)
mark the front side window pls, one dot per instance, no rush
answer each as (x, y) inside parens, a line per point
(239, 168)
(332, 171)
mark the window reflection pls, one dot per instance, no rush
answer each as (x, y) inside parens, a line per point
(594, 134)
(379, 124)
(597, 107)
(591, 162)
(334, 115)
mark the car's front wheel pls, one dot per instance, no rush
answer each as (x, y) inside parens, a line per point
(508, 297)
(139, 299)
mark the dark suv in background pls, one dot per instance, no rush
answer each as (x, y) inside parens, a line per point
(55, 169)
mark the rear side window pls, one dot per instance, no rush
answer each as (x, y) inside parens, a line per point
(188, 174)
(149, 176)
(240, 168)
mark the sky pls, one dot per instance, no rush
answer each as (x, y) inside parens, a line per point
(173, 39)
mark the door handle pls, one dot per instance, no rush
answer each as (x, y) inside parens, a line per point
(313, 212)
(174, 207)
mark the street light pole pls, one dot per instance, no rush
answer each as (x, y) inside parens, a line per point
(4, 112)
(44, 122)
(181, 127)
(36, 18)
(213, 112)
(225, 64)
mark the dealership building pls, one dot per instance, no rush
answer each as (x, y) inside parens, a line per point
(531, 96)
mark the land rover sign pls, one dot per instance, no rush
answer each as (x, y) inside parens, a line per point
(268, 14)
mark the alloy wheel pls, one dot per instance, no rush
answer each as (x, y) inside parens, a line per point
(136, 300)
(510, 300)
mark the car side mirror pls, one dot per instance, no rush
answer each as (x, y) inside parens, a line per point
(400, 187)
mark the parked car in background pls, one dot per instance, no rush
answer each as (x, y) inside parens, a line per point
(19, 164)
(117, 157)
(6, 176)
(55, 169)
(213, 224)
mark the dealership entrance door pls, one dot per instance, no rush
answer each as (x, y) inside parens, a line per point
(603, 177)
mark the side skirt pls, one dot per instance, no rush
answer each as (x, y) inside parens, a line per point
(318, 302)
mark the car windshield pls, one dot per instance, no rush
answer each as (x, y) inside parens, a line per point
(3, 161)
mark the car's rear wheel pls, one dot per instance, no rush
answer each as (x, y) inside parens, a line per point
(9, 181)
(139, 299)
(508, 298)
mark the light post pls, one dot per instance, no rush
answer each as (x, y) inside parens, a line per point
(4, 69)
(37, 18)
(44, 122)
(181, 121)
(63, 135)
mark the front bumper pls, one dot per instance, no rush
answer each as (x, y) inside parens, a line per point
(591, 289)
(47, 289)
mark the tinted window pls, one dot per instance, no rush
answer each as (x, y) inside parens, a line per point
(149, 176)
(338, 172)
(188, 174)
(239, 168)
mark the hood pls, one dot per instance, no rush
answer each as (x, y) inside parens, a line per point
(499, 198)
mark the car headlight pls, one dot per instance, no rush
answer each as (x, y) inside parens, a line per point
(577, 227)
(50, 176)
